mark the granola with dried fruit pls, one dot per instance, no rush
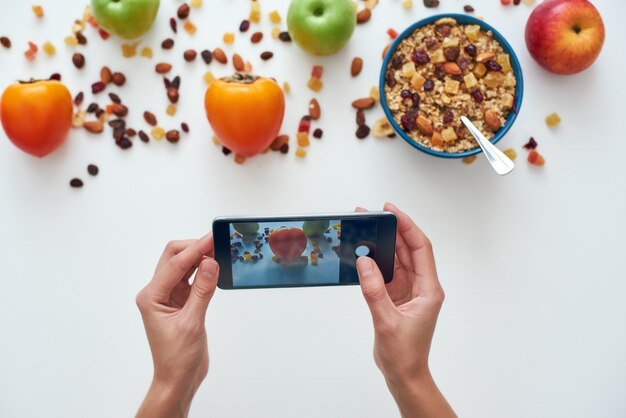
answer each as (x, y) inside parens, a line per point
(444, 71)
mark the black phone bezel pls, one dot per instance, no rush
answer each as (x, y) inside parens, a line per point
(385, 243)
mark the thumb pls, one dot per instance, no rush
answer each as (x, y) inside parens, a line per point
(374, 290)
(203, 287)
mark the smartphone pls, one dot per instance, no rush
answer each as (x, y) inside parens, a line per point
(302, 250)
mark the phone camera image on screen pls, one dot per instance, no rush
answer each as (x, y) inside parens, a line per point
(285, 253)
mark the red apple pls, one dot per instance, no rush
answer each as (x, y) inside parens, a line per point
(288, 243)
(565, 36)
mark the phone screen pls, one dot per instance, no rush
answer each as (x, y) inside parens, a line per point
(298, 252)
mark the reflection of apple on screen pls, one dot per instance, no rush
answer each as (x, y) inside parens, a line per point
(283, 253)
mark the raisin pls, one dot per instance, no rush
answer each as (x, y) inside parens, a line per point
(531, 144)
(420, 57)
(405, 94)
(448, 116)
(429, 85)
(451, 54)
(93, 169)
(470, 50)
(75, 182)
(396, 61)
(431, 3)
(443, 30)
(478, 96)
(493, 65)
(362, 131)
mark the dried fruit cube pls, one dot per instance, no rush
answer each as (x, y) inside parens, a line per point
(229, 37)
(393, 34)
(255, 12)
(49, 49)
(275, 17)
(407, 4)
(452, 86)
(70, 40)
(507, 100)
(472, 32)
(470, 159)
(449, 135)
(450, 42)
(146, 52)
(315, 84)
(157, 133)
(510, 152)
(494, 79)
(505, 62)
(479, 70)
(129, 50)
(170, 110)
(301, 153)
(417, 81)
(317, 71)
(553, 119)
(437, 56)
(470, 80)
(408, 69)
(196, 4)
(437, 139)
(189, 27)
(38, 10)
(286, 87)
(305, 124)
(276, 32)
(535, 158)
(303, 139)
(375, 93)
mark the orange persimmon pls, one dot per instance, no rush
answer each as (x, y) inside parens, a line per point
(245, 112)
(36, 115)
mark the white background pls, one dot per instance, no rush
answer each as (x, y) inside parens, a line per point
(533, 264)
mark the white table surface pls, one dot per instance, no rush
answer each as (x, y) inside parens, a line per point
(533, 264)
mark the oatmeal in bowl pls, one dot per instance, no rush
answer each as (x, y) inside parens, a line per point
(444, 67)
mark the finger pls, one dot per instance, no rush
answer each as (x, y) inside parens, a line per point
(420, 249)
(172, 248)
(203, 288)
(177, 267)
(374, 290)
(360, 209)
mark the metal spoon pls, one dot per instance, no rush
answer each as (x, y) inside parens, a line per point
(500, 163)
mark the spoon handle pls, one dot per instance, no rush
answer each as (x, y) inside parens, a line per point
(500, 163)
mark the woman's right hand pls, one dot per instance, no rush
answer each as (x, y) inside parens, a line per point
(405, 314)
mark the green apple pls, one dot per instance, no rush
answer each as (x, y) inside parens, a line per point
(125, 18)
(246, 228)
(315, 228)
(321, 27)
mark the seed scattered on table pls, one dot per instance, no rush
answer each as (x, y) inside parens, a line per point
(97, 87)
(207, 56)
(468, 9)
(5, 41)
(172, 136)
(76, 183)
(78, 59)
(78, 100)
(163, 68)
(167, 44)
(256, 37)
(356, 67)
(362, 131)
(220, 56)
(183, 11)
(189, 55)
(150, 118)
(118, 79)
(244, 26)
(93, 169)
(267, 55)
(143, 136)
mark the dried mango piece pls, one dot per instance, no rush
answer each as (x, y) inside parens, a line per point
(553, 119)
(49, 49)
(315, 84)
(275, 17)
(146, 52)
(196, 4)
(229, 38)
(535, 158)
(189, 27)
(38, 10)
(255, 12)
(301, 153)
(407, 4)
(510, 152)
(157, 133)
(303, 139)
(70, 40)
(170, 110)
(208, 77)
(129, 50)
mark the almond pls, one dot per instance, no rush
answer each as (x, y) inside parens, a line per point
(314, 109)
(492, 120)
(364, 103)
(105, 75)
(382, 128)
(363, 16)
(220, 56)
(163, 67)
(238, 62)
(424, 125)
(120, 110)
(94, 127)
(484, 56)
(452, 68)
(357, 66)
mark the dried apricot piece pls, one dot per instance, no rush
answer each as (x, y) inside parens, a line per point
(535, 158)
(275, 17)
(317, 71)
(303, 139)
(229, 38)
(38, 11)
(189, 27)
(129, 50)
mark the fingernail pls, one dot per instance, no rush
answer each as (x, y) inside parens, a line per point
(209, 268)
(364, 266)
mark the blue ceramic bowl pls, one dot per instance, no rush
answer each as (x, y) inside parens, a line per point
(463, 20)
